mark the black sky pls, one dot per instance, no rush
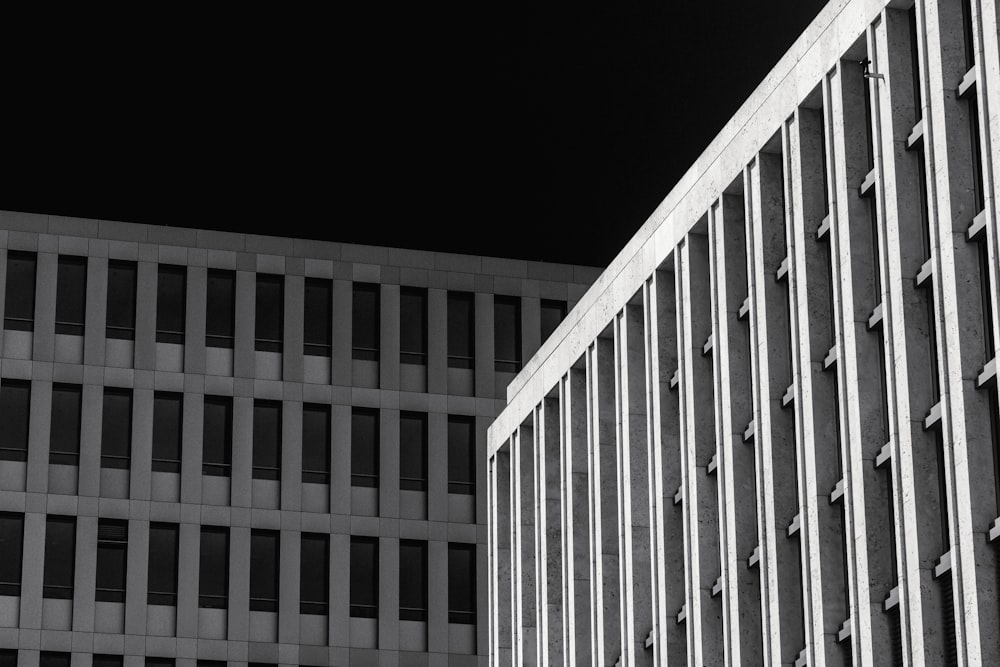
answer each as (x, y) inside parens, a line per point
(537, 133)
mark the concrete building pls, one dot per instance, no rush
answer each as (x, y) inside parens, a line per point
(768, 434)
(225, 448)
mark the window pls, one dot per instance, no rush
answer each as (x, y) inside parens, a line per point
(553, 312)
(112, 558)
(364, 577)
(171, 302)
(270, 313)
(507, 333)
(461, 330)
(8, 657)
(211, 663)
(167, 416)
(314, 584)
(217, 437)
(213, 568)
(267, 440)
(364, 447)
(163, 544)
(263, 570)
(116, 429)
(461, 583)
(19, 308)
(413, 325)
(159, 662)
(121, 300)
(220, 321)
(71, 295)
(64, 438)
(318, 317)
(107, 661)
(54, 659)
(15, 399)
(462, 455)
(365, 322)
(412, 580)
(11, 546)
(60, 557)
(316, 443)
(413, 451)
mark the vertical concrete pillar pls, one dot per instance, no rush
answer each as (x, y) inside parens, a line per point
(291, 455)
(242, 465)
(32, 570)
(389, 355)
(340, 591)
(85, 574)
(293, 354)
(437, 598)
(525, 613)
(145, 316)
(549, 559)
(39, 426)
(388, 483)
(195, 319)
(43, 339)
(239, 583)
(531, 326)
(192, 443)
(136, 577)
(437, 475)
(244, 359)
(437, 341)
(340, 474)
(288, 586)
(343, 299)
(484, 346)
(3, 287)
(189, 554)
(97, 309)
(500, 565)
(92, 405)
(141, 465)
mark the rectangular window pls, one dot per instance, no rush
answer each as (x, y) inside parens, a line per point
(364, 577)
(112, 558)
(121, 300)
(462, 455)
(213, 568)
(412, 580)
(217, 436)
(64, 433)
(413, 451)
(270, 313)
(171, 303)
(413, 325)
(461, 583)
(11, 547)
(318, 317)
(168, 411)
(365, 322)
(461, 329)
(163, 542)
(553, 312)
(19, 302)
(54, 659)
(107, 661)
(267, 439)
(159, 662)
(364, 447)
(316, 443)
(15, 401)
(71, 295)
(116, 429)
(314, 580)
(507, 333)
(264, 570)
(211, 663)
(60, 557)
(8, 657)
(220, 321)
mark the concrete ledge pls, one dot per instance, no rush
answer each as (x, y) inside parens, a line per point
(831, 358)
(867, 187)
(977, 225)
(884, 454)
(707, 347)
(916, 135)
(717, 587)
(926, 271)
(875, 318)
(987, 373)
(933, 416)
(845, 630)
(824, 227)
(754, 557)
(744, 309)
(782, 271)
(837, 492)
(943, 564)
(892, 599)
(968, 82)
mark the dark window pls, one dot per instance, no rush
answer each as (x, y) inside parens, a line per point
(116, 429)
(315, 573)
(461, 583)
(263, 570)
(8, 657)
(167, 417)
(462, 455)
(507, 333)
(413, 451)
(159, 662)
(461, 330)
(364, 577)
(318, 317)
(211, 663)
(60, 557)
(217, 437)
(412, 580)
(121, 300)
(412, 325)
(11, 546)
(365, 322)
(316, 443)
(270, 313)
(64, 434)
(112, 558)
(15, 399)
(267, 440)
(221, 308)
(54, 659)
(108, 661)
(171, 302)
(71, 295)
(213, 569)
(163, 544)
(19, 302)
(364, 447)
(553, 312)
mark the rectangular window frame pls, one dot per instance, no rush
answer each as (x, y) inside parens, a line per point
(12, 546)
(501, 364)
(455, 484)
(163, 461)
(15, 435)
(259, 548)
(412, 564)
(120, 316)
(365, 479)
(318, 318)
(223, 466)
(66, 424)
(220, 320)
(314, 596)
(364, 594)
(207, 550)
(112, 538)
(261, 471)
(117, 460)
(413, 316)
(171, 309)
(164, 550)
(366, 350)
(413, 480)
(461, 616)
(20, 320)
(457, 356)
(60, 559)
(310, 441)
(264, 319)
(71, 295)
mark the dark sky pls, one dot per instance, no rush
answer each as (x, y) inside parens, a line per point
(485, 128)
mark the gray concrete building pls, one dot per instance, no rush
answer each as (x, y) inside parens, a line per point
(224, 448)
(768, 434)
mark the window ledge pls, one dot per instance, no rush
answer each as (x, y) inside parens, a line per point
(867, 187)
(933, 416)
(782, 272)
(744, 309)
(803, 659)
(916, 135)
(892, 599)
(649, 640)
(824, 227)
(831, 358)
(788, 396)
(837, 492)
(884, 454)
(709, 343)
(968, 82)
(977, 226)
(844, 631)
(713, 464)
(748, 434)
(682, 614)
(875, 318)
(754, 557)
(675, 379)
(994, 532)
(717, 586)
(795, 525)
(679, 496)
(987, 373)
(943, 564)
(926, 271)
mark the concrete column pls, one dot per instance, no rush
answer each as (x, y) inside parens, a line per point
(3, 288)
(195, 319)
(288, 585)
(239, 582)
(141, 464)
(91, 408)
(525, 611)
(291, 455)
(85, 574)
(293, 355)
(241, 482)
(39, 426)
(340, 591)
(500, 533)
(136, 577)
(549, 554)
(340, 473)
(531, 326)
(484, 346)
(481, 445)
(437, 596)
(244, 360)
(192, 444)
(145, 316)
(32, 570)
(43, 339)
(389, 341)
(342, 318)
(388, 482)
(96, 312)
(388, 591)
(437, 474)
(437, 341)
(188, 571)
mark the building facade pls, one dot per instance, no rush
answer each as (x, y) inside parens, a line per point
(232, 449)
(768, 434)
